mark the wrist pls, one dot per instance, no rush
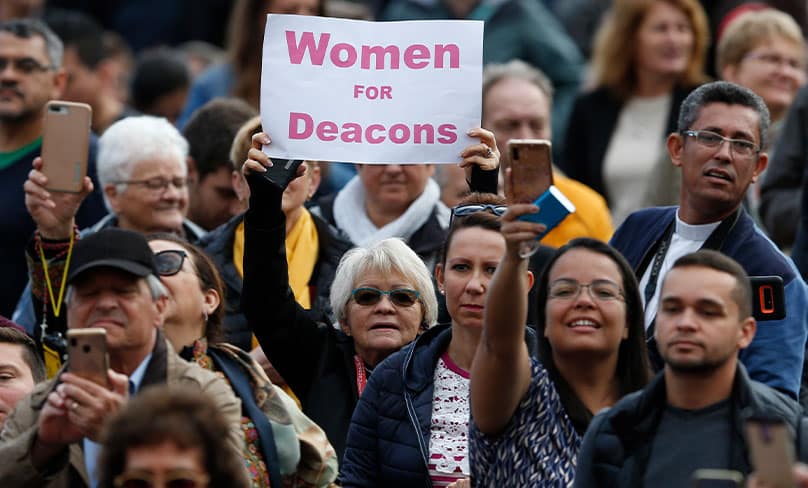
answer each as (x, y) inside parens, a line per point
(58, 232)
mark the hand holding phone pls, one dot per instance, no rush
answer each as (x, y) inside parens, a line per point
(531, 169)
(771, 448)
(282, 171)
(65, 145)
(87, 354)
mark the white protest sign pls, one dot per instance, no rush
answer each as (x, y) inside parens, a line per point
(376, 92)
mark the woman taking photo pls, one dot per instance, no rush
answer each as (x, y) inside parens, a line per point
(528, 415)
(281, 445)
(648, 55)
(410, 428)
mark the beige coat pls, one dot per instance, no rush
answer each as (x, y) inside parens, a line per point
(68, 470)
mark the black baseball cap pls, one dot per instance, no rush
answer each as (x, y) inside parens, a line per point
(113, 248)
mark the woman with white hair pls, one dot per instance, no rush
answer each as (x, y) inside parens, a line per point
(382, 296)
(143, 174)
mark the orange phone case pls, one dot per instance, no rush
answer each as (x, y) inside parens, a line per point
(65, 144)
(87, 354)
(531, 166)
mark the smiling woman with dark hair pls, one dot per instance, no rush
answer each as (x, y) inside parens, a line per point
(591, 350)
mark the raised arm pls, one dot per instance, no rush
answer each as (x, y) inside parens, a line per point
(500, 373)
(290, 337)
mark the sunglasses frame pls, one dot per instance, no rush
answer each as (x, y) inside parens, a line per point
(496, 210)
(389, 293)
(183, 254)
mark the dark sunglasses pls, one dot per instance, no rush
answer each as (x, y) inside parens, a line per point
(173, 479)
(169, 262)
(403, 297)
(470, 208)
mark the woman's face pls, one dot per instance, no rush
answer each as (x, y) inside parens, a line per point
(300, 189)
(578, 322)
(187, 304)
(384, 327)
(664, 41)
(164, 462)
(471, 260)
(774, 69)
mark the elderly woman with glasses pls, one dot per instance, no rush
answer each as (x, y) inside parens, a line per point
(277, 435)
(382, 296)
(410, 428)
(528, 415)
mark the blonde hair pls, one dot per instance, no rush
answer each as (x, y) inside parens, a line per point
(613, 61)
(751, 29)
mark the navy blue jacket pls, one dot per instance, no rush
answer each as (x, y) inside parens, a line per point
(775, 356)
(388, 440)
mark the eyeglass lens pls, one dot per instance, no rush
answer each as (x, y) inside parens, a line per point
(372, 296)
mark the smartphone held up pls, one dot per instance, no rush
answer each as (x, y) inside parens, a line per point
(529, 179)
(87, 355)
(65, 145)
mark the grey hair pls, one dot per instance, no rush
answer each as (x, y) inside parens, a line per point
(133, 140)
(386, 256)
(157, 289)
(724, 92)
(26, 28)
(516, 68)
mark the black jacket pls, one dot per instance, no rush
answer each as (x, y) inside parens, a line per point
(218, 244)
(617, 445)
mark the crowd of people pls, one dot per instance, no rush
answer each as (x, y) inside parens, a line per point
(378, 325)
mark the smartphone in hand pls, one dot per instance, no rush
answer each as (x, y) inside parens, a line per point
(717, 478)
(87, 354)
(66, 144)
(530, 161)
(771, 449)
(282, 171)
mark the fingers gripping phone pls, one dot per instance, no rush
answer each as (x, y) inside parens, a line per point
(531, 165)
(771, 449)
(65, 145)
(282, 171)
(87, 354)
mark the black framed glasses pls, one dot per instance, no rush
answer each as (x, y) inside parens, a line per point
(179, 478)
(740, 147)
(169, 262)
(367, 296)
(470, 208)
(601, 290)
(25, 66)
(157, 184)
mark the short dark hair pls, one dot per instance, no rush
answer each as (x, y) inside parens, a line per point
(211, 130)
(177, 414)
(209, 279)
(485, 219)
(707, 258)
(724, 92)
(80, 32)
(11, 333)
(27, 28)
(633, 369)
(158, 72)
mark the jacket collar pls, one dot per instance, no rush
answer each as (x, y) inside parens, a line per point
(423, 354)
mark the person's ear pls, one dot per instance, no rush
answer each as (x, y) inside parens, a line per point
(211, 301)
(193, 172)
(59, 84)
(530, 280)
(161, 305)
(112, 194)
(762, 162)
(439, 276)
(729, 72)
(675, 144)
(314, 179)
(746, 332)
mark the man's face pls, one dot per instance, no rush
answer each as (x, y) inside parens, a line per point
(27, 82)
(391, 188)
(121, 304)
(16, 380)
(213, 200)
(516, 109)
(715, 179)
(83, 83)
(700, 328)
(146, 209)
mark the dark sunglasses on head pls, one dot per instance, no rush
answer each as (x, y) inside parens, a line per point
(470, 208)
(169, 262)
(403, 297)
(172, 479)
